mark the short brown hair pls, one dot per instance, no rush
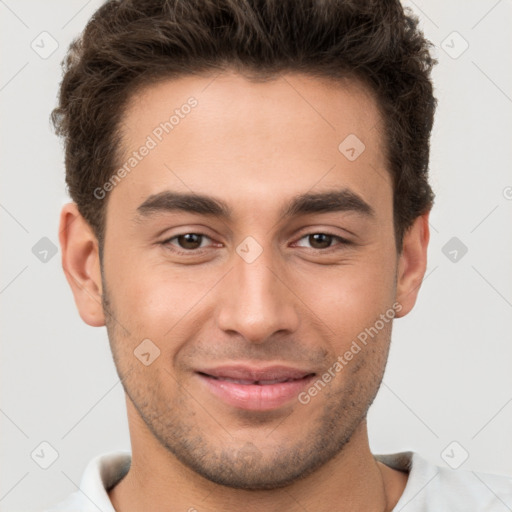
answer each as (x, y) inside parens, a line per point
(132, 43)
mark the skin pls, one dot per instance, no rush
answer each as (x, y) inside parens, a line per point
(255, 146)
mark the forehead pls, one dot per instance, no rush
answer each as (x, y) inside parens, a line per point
(250, 141)
(229, 99)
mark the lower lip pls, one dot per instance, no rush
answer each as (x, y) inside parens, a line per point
(255, 397)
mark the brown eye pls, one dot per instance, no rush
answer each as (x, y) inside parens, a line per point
(320, 240)
(189, 240)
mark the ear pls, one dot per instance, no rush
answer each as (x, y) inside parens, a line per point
(81, 264)
(412, 264)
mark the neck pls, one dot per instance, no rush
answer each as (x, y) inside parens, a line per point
(353, 480)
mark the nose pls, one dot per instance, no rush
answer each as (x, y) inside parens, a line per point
(257, 301)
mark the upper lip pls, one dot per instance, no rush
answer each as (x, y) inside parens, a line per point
(244, 372)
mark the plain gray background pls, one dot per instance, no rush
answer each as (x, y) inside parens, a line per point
(449, 375)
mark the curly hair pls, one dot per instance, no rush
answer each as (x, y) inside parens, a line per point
(129, 44)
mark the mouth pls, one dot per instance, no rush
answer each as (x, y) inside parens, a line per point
(255, 389)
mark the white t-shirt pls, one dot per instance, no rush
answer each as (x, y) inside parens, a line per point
(429, 488)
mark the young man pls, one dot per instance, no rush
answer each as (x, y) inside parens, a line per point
(250, 214)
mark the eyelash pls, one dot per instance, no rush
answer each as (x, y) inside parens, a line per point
(195, 252)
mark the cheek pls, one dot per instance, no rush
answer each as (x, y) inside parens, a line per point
(350, 298)
(161, 303)
(154, 302)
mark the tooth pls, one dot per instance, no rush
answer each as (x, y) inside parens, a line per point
(274, 381)
(257, 382)
(238, 381)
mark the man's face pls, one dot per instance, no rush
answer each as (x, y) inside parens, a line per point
(235, 303)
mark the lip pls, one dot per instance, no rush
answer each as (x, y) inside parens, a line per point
(254, 388)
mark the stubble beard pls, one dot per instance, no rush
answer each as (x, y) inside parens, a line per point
(235, 461)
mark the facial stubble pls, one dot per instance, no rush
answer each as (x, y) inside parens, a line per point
(198, 437)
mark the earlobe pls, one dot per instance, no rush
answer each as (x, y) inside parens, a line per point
(81, 265)
(412, 264)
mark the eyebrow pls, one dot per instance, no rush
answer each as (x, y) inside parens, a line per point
(343, 200)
